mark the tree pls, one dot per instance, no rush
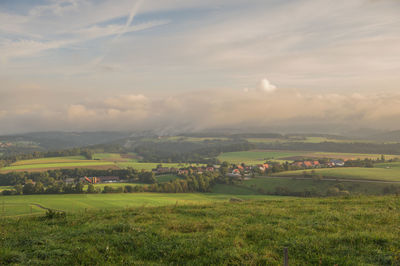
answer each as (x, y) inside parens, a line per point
(91, 189)
(18, 188)
(39, 188)
(79, 187)
(29, 188)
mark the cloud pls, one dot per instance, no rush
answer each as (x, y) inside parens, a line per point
(223, 108)
(266, 86)
(27, 48)
(96, 31)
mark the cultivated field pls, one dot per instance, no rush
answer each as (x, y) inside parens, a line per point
(330, 231)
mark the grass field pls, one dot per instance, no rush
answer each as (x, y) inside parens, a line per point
(21, 205)
(331, 231)
(382, 174)
(5, 188)
(102, 161)
(255, 157)
(260, 156)
(78, 164)
(265, 185)
(150, 166)
(310, 140)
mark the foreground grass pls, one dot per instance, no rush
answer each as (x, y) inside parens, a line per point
(357, 231)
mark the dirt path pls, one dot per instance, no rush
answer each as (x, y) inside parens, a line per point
(45, 208)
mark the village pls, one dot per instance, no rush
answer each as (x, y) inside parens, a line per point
(235, 170)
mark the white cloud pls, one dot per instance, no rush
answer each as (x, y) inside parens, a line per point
(266, 86)
(117, 29)
(23, 48)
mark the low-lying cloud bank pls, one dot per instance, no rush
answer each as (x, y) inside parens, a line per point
(223, 108)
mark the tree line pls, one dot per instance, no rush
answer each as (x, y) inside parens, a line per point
(52, 176)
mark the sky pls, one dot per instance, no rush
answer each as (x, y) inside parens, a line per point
(189, 65)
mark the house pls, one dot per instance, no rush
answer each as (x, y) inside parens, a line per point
(308, 164)
(69, 181)
(161, 170)
(210, 169)
(174, 170)
(298, 164)
(236, 172)
(108, 179)
(183, 172)
(338, 163)
(261, 167)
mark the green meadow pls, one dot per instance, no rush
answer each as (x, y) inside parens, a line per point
(71, 203)
(214, 231)
(101, 160)
(270, 185)
(78, 164)
(380, 174)
(255, 157)
(260, 156)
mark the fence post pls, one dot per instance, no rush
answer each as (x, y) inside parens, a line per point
(286, 257)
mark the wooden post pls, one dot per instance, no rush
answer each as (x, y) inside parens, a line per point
(286, 257)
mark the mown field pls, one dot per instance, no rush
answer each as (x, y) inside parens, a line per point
(260, 156)
(21, 205)
(330, 231)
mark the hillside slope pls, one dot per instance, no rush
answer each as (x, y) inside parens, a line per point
(358, 231)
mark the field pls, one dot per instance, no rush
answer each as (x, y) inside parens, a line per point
(101, 161)
(269, 185)
(5, 188)
(260, 156)
(381, 174)
(21, 205)
(149, 166)
(307, 140)
(256, 156)
(330, 231)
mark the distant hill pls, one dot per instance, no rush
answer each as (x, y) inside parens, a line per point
(387, 136)
(64, 140)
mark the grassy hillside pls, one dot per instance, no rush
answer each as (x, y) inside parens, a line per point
(357, 231)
